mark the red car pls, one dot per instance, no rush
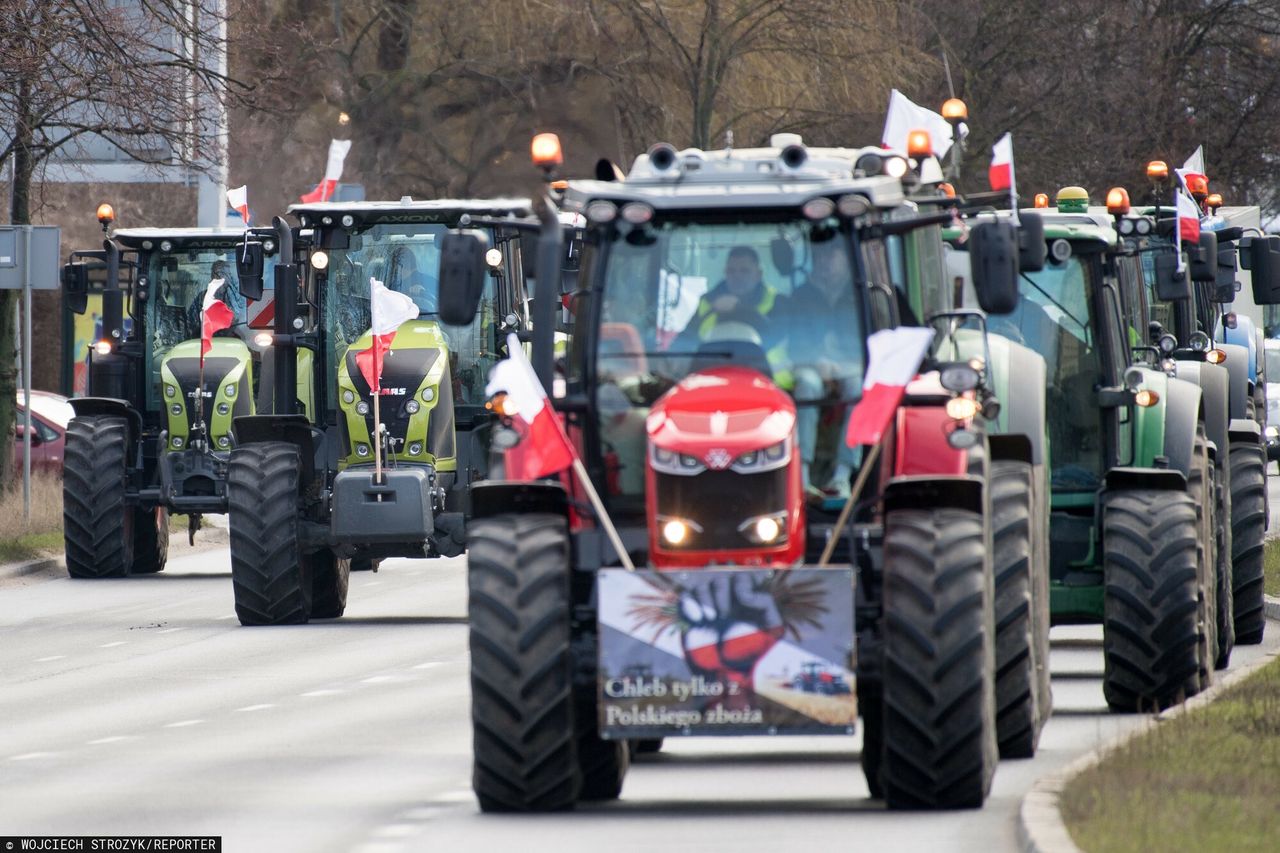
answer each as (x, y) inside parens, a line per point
(50, 414)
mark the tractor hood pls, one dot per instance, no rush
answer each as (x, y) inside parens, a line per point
(719, 413)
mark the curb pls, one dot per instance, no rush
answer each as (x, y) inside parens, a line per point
(1040, 825)
(9, 571)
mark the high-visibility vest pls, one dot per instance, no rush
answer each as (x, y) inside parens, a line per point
(779, 362)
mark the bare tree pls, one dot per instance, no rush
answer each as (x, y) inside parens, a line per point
(142, 77)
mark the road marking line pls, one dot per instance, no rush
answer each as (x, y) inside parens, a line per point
(183, 723)
(112, 645)
(457, 796)
(262, 707)
(428, 665)
(322, 693)
(395, 830)
(27, 756)
(49, 658)
(228, 616)
(171, 630)
(420, 813)
(372, 583)
(112, 739)
(383, 679)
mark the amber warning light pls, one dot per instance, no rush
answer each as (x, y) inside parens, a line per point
(1158, 170)
(919, 144)
(106, 213)
(546, 150)
(1117, 201)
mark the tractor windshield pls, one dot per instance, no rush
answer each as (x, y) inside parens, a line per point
(679, 296)
(406, 259)
(178, 281)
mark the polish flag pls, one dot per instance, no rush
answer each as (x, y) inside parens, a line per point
(1194, 167)
(238, 199)
(215, 315)
(905, 116)
(546, 449)
(387, 310)
(338, 149)
(893, 357)
(1000, 174)
(1188, 217)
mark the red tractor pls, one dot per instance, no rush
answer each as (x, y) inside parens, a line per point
(719, 343)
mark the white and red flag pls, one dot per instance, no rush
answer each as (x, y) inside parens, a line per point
(546, 449)
(893, 358)
(905, 116)
(338, 149)
(238, 199)
(1194, 167)
(1000, 173)
(215, 315)
(1188, 217)
(387, 310)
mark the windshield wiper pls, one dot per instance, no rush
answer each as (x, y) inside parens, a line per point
(1056, 303)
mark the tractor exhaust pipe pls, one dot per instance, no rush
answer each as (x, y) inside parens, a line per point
(285, 352)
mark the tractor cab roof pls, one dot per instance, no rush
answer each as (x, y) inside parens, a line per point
(786, 174)
(184, 238)
(443, 210)
(1094, 225)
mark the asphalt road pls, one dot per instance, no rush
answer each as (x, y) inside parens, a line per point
(140, 706)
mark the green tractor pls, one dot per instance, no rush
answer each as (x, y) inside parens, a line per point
(1129, 471)
(153, 434)
(319, 490)
(1182, 312)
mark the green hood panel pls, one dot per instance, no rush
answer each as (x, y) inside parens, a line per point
(416, 404)
(228, 390)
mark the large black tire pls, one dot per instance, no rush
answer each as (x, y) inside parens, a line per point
(97, 525)
(1223, 595)
(330, 577)
(1248, 531)
(1202, 490)
(871, 709)
(150, 540)
(602, 763)
(522, 706)
(939, 746)
(269, 576)
(1017, 715)
(1152, 601)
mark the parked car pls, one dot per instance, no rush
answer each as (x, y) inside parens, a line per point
(50, 414)
(1271, 367)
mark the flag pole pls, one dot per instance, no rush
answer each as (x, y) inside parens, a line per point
(863, 473)
(1013, 183)
(601, 515)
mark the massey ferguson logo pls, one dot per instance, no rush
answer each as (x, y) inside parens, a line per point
(719, 459)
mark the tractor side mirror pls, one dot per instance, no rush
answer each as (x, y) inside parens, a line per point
(75, 286)
(993, 253)
(1261, 256)
(1032, 251)
(250, 263)
(1229, 235)
(1204, 258)
(782, 255)
(462, 275)
(1172, 284)
(1224, 287)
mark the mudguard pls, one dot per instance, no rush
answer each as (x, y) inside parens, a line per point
(1214, 386)
(293, 429)
(1245, 431)
(494, 497)
(1181, 403)
(108, 407)
(1243, 335)
(1237, 365)
(920, 444)
(1169, 479)
(962, 492)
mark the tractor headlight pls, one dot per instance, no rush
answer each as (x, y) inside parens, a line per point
(175, 410)
(765, 529)
(428, 394)
(411, 406)
(224, 409)
(348, 396)
(362, 408)
(671, 462)
(415, 448)
(362, 450)
(1272, 432)
(176, 442)
(170, 391)
(769, 459)
(675, 531)
(223, 441)
(229, 390)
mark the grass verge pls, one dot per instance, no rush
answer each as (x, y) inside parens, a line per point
(1271, 566)
(42, 535)
(1208, 780)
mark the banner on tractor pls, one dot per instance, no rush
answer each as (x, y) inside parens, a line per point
(726, 652)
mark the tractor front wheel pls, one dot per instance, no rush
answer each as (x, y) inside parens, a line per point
(1017, 715)
(270, 577)
(1248, 531)
(526, 742)
(938, 745)
(97, 525)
